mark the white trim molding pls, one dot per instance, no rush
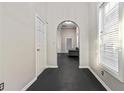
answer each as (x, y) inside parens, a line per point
(84, 67)
(97, 77)
(100, 80)
(51, 66)
(29, 84)
(32, 81)
(43, 20)
(40, 72)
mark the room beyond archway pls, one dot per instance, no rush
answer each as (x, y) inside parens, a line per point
(68, 40)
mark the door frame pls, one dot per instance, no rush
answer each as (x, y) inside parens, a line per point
(79, 42)
(45, 30)
(66, 43)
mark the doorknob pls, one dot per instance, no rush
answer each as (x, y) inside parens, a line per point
(38, 49)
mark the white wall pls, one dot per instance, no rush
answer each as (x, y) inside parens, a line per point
(58, 12)
(109, 80)
(19, 42)
(68, 33)
(18, 37)
(1, 51)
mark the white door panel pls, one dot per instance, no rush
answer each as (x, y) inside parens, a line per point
(69, 43)
(40, 45)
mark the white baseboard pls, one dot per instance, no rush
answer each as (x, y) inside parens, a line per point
(32, 81)
(100, 80)
(29, 84)
(41, 71)
(83, 66)
(51, 66)
(62, 52)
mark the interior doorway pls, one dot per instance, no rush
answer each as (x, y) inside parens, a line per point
(68, 40)
(40, 44)
(68, 44)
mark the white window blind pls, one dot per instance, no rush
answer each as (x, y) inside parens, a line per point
(109, 35)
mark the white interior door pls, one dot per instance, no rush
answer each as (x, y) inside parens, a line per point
(40, 45)
(68, 43)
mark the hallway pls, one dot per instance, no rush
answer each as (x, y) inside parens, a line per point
(67, 77)
(35, 38)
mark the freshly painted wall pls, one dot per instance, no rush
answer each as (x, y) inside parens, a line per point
(18, 27)
(1, 51)
(58, 12)
(109, 80)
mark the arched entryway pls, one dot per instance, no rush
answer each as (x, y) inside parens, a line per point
(68, 40)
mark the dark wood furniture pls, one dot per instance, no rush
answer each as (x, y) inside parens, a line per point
(73, 52)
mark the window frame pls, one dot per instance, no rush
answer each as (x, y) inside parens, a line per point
(120, 74)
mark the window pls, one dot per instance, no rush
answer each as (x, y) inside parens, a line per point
(109, 35)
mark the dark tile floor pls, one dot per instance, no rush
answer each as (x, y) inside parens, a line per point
(67, 77)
